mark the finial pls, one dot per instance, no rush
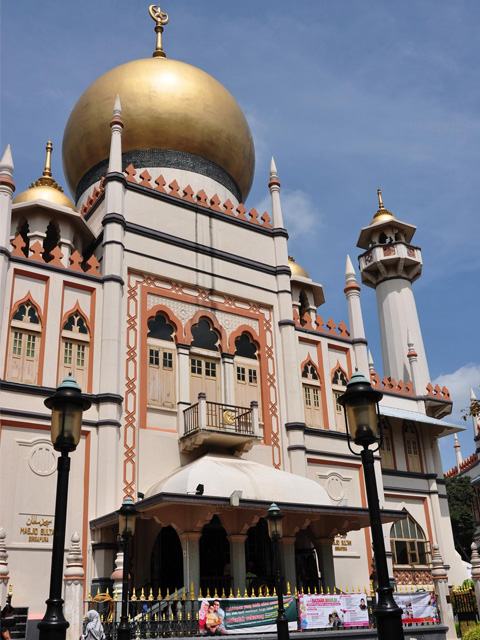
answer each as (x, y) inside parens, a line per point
(273, 168)
(380, 201)
(161, 19)
(47, 172)
(6, 163)
(274, 182)
(350, 272)
(472, 395)
(117, 108)
(371, 364)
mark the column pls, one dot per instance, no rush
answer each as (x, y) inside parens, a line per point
(288, 562)
(4, 577)
(324, 550)
(475, 561)
(440, 580)
(117, 578)
(237, 562)
(228, 378)
(191, 567)
(73, 589)
(183, 386)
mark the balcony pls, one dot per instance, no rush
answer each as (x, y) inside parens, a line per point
(221, 427)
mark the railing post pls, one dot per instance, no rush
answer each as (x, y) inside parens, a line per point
(255, 421)
(475, 560)
(73, 582)
(440, 581)
(202, 410)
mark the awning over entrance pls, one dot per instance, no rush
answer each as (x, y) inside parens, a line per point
(440, 427)
(222, 475)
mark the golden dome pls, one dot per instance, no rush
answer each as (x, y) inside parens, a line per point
(296, 269)
(168, 105)
(382, 215)
(45, 188)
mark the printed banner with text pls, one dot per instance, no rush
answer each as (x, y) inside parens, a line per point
(420, 606)
(333, 610)
(251, 615)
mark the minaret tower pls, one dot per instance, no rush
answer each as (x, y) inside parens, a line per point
(390, 265)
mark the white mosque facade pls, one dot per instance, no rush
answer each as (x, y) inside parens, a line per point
(208, 356)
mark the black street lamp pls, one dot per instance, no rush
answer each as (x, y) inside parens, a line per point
(275, 531)
(360, 403)
(127, 515)
(67, 407)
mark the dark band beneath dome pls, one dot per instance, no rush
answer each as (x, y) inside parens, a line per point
(168, 159)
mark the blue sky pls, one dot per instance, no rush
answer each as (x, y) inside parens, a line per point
(347, 95)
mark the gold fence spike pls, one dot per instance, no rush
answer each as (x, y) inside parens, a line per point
(107, 592)
(308, 591)
(150, 595)
(334, 590)
(321, 590)
(314, 590)
(231, 593)
(215, 594)
(98, 591)
(288, 589)
(268, 591)
(246, 593)
(156, 617)
(238, 593)
(328, 591)
(179, 616)
(146, 617)
(159, 597)
(89, 596)
(223, 593)
(192, 592)
(208, 592)
(134, 595)
(167, 597)
(346, 590)
(175, 597)
(274, 592)
(142, 595)
(115, 594)
(164, 617)
(184, 595)
(200, 595)
(188, 616)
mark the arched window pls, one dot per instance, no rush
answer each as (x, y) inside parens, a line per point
(24, 344)
(247, 372)
(339, 383)
(311, 396)
(408, 543)
(304, 305)
(386, 449)
(412, 448)
(51, 240)
(204, 369)
(75, 351)
(161, 362)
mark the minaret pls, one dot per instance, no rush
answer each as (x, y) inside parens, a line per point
(458, 452)
(390, 265)
(355, 318)
(7, 187)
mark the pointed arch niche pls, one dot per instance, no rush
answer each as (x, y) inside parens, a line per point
(312, 394)
(409, 544)
(247, 369)
(162, 331)
(339, 380)
(24, 345)
(75, 348)
(207, 341)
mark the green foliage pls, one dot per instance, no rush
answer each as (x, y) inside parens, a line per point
(460, 496)
(473, 410)
(472, 634)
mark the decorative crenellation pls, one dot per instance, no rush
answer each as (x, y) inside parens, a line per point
(466, 464)
(76, 259)
(329, 328)
(413, 577)
(201, 199)
(436, 392)
(390, 384)
(93, 197)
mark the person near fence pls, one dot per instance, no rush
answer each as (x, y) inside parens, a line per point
(221, 630)
(212, 622)
(202, 617)
(93, 626)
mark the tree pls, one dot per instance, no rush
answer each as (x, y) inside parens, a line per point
(460, 496)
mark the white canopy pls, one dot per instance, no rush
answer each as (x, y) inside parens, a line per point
(221, 475)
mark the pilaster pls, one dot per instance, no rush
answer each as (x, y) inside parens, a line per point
(191, 565)
(237, 561)
(288, 562)
(73, 589)
(228, 370)
(183, 385)
(440, 580)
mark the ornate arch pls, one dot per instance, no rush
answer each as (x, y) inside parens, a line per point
(27, 298)
(308, 360)
(76, 309)
(203, 313)
(243, 328)
(172, 319)
(335, 369)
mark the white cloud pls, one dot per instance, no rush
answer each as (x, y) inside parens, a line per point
(301, 216)
(459, 384)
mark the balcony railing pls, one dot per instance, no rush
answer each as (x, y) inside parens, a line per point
(221, 417)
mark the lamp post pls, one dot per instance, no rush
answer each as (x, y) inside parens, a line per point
(275, 531)
(360, 403)
(127, 515)
(67, 407)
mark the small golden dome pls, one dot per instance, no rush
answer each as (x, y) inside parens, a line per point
(45, 188)
(296, 269)
(166, 104)
(382, 215)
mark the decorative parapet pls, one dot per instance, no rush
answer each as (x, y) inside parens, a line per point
(329, 328)
(466, 464)
(436, 392)
(200, 199)
(77, 262)
(391, 385)
(93, 198)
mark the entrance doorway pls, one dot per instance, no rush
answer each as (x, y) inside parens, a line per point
(166, 565)
(215, 559)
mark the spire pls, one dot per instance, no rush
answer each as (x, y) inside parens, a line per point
(458, 452)
(412, 361)
(473, 397)
(6, 164)
(411, 346)
(274, 187)
(46, 179)
(161, 19)
(116, 126)
(382, 213)
(371, 365)
(380, 201)
(350, 277)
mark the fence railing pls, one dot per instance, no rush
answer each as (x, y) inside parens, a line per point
(177, 615)
(222, 417)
